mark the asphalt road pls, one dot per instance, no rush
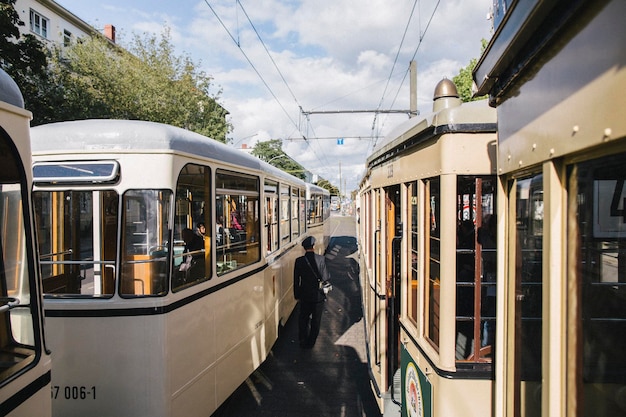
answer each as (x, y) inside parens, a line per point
(332, 378)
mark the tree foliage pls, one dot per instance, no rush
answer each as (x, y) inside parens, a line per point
(324, 183)
(24, 59)
(464, 79)
(146, 81)
(271, 152)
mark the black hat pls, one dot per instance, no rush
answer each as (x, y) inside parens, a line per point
(308, 242)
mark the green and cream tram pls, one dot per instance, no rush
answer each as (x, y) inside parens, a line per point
(556, 72)
(24, 358)
(148, 315)
(427, 231)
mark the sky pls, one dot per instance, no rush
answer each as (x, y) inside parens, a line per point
(276, 64)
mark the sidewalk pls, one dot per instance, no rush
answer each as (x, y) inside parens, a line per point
(330, 380)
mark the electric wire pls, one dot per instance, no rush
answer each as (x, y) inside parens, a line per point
(421, 39)
(253, 66)
(395, 60)
(269, 55)
(324, 159)
(382, 98)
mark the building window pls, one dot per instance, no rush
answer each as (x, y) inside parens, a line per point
(39, 24)
(67, 38)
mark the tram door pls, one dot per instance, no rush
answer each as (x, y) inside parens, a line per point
(392, 275)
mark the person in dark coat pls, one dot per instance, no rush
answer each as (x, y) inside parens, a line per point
(308, 271)
(194, 244)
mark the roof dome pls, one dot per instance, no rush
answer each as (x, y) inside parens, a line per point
(446, 96)
(445, 88)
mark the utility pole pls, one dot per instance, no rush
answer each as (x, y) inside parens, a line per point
(339, 180)
(413, 88)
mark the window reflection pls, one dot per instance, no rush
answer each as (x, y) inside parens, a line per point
(237, 206)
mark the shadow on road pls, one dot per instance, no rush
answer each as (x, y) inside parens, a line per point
(329, 380)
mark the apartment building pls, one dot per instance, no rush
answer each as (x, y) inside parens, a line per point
(52, 23)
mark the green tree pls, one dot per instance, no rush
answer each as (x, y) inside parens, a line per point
(271, 151)
(324, 183)
(464, 80)
(24, 59)
(146, 81)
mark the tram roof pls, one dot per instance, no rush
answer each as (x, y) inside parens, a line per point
(130, 136)
(317, 188)
(471, 117)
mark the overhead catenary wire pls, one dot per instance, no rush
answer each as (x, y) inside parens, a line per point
(395, 60)
(269, 54)
(253, 66)
(421, 39)
(283, 79)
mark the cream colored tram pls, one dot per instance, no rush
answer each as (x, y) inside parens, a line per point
(146, 316)
(556, 72)
(318, 211)
(24, 358)
(427, 212)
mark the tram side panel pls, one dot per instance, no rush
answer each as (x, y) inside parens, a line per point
(91, 372)
(25, 369)
(427, 181)
(151, 337)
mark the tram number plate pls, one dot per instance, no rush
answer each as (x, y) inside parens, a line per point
(73, 392)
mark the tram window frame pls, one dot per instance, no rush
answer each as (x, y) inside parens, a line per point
(432, 255)
(271, 215)
(295, 212)
(526, 297)
(302, 212)
(285, 215)
(237, 197)
(192, 262)
(476, 262)
(145, 242)
(18, 332)
(596, 242)
(311, 210)
(67, 241)
(413, 261)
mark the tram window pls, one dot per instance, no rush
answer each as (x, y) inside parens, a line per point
(145, 236)
(191, 247)
(414, 240)
(433, 254)
(77, 238)
(237, 202)
(16, 320)
(311, 210)
(528, 292)
(295, 211)
(285, 215)
(598, 246)
(302, 212)
(271, 215)
(476, 238)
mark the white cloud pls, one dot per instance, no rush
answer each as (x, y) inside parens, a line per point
(333, 54)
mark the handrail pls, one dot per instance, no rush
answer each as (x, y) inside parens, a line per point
(50, 255)
(77, 262)
(11, 303)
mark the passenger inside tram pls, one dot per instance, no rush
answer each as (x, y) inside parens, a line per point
(192, 268)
